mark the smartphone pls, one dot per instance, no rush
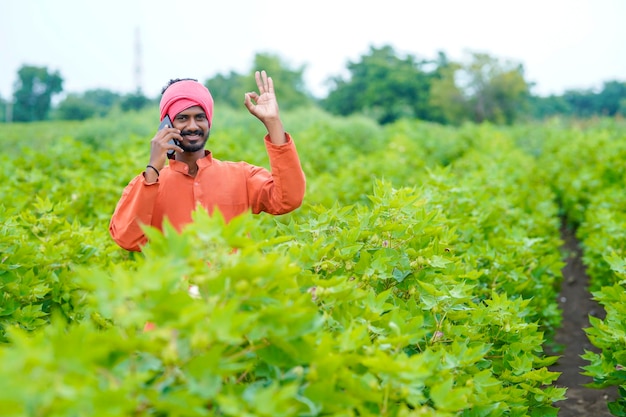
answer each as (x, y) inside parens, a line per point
(167, 122)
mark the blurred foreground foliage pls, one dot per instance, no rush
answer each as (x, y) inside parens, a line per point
(420, 277)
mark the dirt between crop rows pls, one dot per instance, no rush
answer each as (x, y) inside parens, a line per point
(577, 305)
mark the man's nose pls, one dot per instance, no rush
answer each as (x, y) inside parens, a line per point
(192, 124)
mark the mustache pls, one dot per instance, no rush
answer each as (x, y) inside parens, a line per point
(199, 132)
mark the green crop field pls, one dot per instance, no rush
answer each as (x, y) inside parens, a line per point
(419, 278)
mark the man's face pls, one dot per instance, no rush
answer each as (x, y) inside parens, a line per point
(194, 128)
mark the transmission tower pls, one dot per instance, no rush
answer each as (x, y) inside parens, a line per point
(138, 67)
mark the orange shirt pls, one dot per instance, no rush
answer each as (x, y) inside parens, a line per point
(232, 187)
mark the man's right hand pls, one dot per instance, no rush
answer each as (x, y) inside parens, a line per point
(159, 145)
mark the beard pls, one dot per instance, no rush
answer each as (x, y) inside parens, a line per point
(194, 147)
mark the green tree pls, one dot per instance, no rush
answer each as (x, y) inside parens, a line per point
(622, 107)
(230, 89)
(582, 102)
(385, 86)
(97, 102)
(33, 93)
(610, 98)
(585, 103)
(541, 107)
(488, 89)
(290, 81)
(227, 89)
(75, 107)
(3, 109)
(103, 100)
(134, 101)
(447, 98)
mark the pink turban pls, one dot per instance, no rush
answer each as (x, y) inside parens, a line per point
(184, 94)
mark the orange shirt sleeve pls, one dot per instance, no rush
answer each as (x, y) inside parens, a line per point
(133, 210)
(284, 190)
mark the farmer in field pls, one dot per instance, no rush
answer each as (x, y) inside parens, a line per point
(173, 185)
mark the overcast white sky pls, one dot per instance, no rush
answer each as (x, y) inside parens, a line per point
(563, 44)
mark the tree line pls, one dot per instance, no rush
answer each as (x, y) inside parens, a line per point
(381, 84)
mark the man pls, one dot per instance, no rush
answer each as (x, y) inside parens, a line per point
(192, 176)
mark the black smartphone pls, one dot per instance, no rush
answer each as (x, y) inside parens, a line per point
(167, 122)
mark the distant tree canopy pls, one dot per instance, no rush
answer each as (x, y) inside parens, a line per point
(230, 89)
(484, 89)
(380, 84)
(609, 101)
(98, 103)
(3, 110)
(389, 87)
(75, 107)
(33, 93)
(385, 86)
(134, 101)
(612, 99)
(227, 89)
(91, 103)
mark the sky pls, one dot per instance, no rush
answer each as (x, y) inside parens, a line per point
(122, 45)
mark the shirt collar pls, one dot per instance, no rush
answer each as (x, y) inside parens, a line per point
(181, 167)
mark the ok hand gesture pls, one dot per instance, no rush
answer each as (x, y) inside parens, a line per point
(263, 105)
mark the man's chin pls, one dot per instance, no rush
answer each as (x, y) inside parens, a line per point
(194, 147)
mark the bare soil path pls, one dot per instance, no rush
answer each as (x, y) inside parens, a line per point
(577, 305)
